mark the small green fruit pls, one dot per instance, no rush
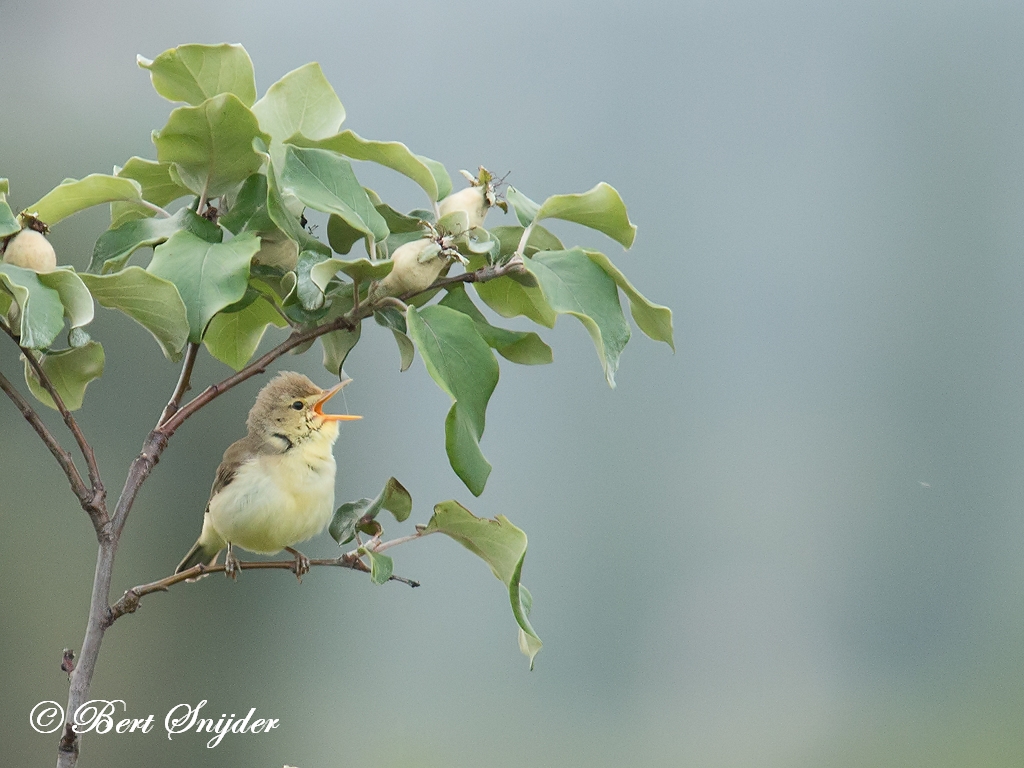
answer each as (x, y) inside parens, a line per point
(416, 266)
(472, 200)
(31, 250)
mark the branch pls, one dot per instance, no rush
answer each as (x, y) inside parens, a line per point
(297, 338)
(348, 321)
(67, 463)
(183, 385)
(93, 498)
(129, 602)
(487, 272)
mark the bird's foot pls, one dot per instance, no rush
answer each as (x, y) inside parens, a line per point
(231, 565)
(301, 566)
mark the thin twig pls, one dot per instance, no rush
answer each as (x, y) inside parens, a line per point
(296, 339)
(482, 275)
(184, 382)
(93, 501)
(129, 602)
(67, 463)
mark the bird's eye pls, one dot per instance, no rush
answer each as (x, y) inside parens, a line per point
(297, 405)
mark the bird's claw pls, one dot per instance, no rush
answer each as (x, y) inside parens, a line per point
(301, 565)
(231, 566)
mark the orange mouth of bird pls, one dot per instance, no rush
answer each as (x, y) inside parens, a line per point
(318, 406)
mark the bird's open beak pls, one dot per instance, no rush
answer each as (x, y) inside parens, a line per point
(318, 406)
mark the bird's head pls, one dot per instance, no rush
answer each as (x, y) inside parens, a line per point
(291, 406)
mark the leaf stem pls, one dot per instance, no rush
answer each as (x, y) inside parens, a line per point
(521, 248)
(381, 546)
(156, 209)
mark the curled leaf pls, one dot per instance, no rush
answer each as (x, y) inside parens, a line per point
(502, 546)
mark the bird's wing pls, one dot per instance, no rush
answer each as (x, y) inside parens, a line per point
(229, 466)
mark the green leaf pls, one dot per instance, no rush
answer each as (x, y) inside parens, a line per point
(157, 187)
(115, 246)
(286, 221)
(194, 73)
(510, 297)
(325, 182)
(359, 270)
(40, 311)
(653, 319)
(300, 102)
(440, 174)
(249, 208)
(399, 222)
(151, 301)
(309, 294)
(73, 294)
(233, 337)
(575, 285)
(391, 154)
(394, 498)
(70, 372)
(337, 344)
(502, 546)
(210, 146)
(155, 178)
(391, 317)
(461, 363)
(381, 566)
(540, 240)
(72, 196)
(8, 223)
(601, 208)
(342, 235)
(209, 276)
(526, 210)
(517, 346)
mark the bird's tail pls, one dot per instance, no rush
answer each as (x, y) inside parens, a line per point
(200, 553)
(205, 550)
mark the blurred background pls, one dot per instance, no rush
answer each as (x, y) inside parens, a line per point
(795, 542)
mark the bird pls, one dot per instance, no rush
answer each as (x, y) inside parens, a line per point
(274, 488)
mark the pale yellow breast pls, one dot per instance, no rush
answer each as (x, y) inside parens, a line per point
(277, 501)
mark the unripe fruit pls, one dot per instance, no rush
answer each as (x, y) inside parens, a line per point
(416, 266)
(31, 250)
(472, 200)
